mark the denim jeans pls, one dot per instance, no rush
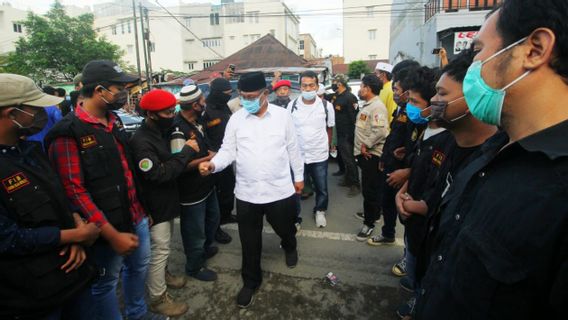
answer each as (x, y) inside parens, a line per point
(198, 224)
(134, 269)
(318, 174)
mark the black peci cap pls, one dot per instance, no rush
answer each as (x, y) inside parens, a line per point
(252, 81)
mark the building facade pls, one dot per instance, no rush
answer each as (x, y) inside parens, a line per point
(308, 49)
(11, 28)
(419, 28)
(366, 29)
(201, 34)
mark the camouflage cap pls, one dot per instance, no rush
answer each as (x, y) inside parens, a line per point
(341, 78)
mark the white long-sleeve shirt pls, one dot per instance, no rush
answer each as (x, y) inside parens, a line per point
(264, 150)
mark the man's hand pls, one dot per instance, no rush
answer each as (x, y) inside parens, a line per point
(88, 232)
(124, 243)
(364, 152)
(401, 197)
(399, 153)
(228, 73)
(206, 168)
(398, 178)
(299, 186)
(192, 143)
(77, 256)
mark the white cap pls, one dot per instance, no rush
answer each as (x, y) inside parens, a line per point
(321, 89)
(382, 66)
(188, 94)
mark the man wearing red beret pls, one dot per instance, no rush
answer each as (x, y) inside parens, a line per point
(159, 169)
(282, 89)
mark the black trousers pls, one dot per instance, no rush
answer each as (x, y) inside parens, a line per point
(345, 147)
(225, 186)
(371, 183)
(281, 215)
(389, 209)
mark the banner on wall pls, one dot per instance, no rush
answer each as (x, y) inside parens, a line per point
(463, 40)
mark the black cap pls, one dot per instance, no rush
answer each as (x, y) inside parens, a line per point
(104, 70)
(220, 84)
(252, 81)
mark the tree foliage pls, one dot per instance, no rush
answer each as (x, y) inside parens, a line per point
(356, 68)
(56, 46)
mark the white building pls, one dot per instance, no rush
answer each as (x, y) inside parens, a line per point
(418, 28)
(366, 29)
(203, 33)
(11, 29)
(308, 48)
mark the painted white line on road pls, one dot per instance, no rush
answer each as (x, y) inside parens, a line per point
(315, 234)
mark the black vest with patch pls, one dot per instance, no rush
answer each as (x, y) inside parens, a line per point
(34, 197)
(101, 166)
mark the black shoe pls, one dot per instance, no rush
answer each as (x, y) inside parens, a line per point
(205, 274)
(338, 173)
(292, 259)
(406, 284)
(230, 219)
(222, 237)
(211, 252)
(245, 297)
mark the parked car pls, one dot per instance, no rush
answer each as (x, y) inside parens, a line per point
(131, 121)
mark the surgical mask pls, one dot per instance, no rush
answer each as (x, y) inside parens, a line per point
(39, 122)
(309, 95)
(251, 106)
(119, 101)
(484, 102)
(438, 111)
(415, 114)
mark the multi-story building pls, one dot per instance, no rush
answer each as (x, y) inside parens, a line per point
(199, 35)
(366, 29)
(418, 28)
(11, 28)
(308, 49)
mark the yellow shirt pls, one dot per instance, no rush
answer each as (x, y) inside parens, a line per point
(387, 98)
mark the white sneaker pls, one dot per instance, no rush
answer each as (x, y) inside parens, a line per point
(320, 219)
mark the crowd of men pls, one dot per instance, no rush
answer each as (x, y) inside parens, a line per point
(471, 158)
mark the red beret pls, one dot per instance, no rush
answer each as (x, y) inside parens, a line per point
(157, 100)
(282, 83)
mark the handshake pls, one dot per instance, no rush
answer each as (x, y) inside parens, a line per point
(206, 168)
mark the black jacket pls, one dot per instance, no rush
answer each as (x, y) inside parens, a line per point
(396, 139)
(193, 186)
(159, 170)
(34, 284)
(215, 119)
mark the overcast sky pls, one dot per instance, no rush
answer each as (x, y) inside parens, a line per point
(325, 29)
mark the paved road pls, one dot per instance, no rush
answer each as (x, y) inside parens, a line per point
(367, 289)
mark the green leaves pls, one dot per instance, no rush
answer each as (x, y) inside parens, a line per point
(56, 46)
(356, 68)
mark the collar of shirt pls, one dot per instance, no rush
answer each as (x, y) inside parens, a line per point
(367, 103)
(87, 117)
(550, 141)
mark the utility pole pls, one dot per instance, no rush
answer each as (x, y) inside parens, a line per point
(144, 47)
(136, 42)
(149, 43)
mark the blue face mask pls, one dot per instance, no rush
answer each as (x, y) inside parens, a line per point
(484, 102)
(251, 106)
(415, 114)
(309, 95)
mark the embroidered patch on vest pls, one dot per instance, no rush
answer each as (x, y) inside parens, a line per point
(402, 118)
(145, 165)
(214, 122)
(363, 117)
(88, 141)
(15, 182)
(438, 157)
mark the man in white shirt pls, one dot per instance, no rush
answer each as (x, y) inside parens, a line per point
(261, 140)
(314, 120)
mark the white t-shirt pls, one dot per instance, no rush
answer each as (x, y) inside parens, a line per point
(309, 121)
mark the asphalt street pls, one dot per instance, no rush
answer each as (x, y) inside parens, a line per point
(366, 289)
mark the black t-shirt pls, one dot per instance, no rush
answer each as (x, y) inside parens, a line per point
(345, 105)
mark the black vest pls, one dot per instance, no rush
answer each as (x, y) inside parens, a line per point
(34, 197)
(101, 166)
